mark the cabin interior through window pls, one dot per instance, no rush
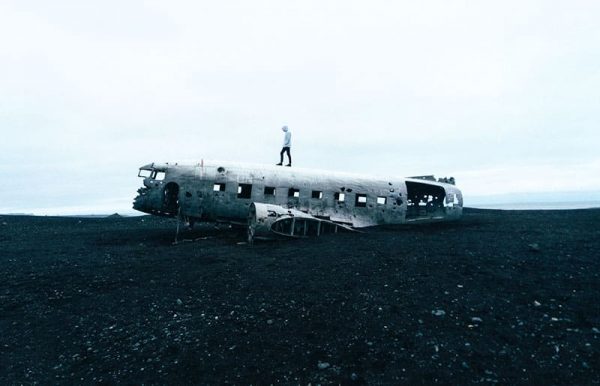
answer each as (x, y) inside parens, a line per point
(244, 190)
(269, 191)
(317, 194)
(381, 200)
(339, 197)
(219, 187)
(293, 192)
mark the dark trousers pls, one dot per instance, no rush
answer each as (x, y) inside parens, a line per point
(286, 149)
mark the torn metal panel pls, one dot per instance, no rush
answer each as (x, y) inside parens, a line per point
(266, 221)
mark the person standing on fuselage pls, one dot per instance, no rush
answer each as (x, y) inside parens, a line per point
(287, 144)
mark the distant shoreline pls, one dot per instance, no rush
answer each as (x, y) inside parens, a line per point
(538, 205)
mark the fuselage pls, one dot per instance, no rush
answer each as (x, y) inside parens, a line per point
(218, 191)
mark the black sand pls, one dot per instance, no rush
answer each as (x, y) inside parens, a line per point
(500, 297)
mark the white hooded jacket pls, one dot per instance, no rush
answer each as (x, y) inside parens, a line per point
(287, 138)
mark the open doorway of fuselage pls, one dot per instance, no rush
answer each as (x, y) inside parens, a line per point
(171, 198)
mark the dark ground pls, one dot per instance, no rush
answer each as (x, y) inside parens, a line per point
(500, 297)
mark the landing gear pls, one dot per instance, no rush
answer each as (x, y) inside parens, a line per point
(250, 235)
(189, 223)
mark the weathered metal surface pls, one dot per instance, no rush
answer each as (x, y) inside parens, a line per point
(219, 191)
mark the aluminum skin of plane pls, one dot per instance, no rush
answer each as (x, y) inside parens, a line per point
(278, 201)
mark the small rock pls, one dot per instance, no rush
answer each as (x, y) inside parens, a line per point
(179, 302)
(438, 312)
(354, 377)
(595, 330)
(4, 223)
(536, 303)
(476, 319)
(323, 365)
(465, 365)
(585, 365)
(534, 247)
(270, 321)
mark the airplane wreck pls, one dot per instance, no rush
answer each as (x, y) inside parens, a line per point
(273, 202)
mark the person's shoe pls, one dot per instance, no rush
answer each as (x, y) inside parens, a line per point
(279, 164)
(289, 165)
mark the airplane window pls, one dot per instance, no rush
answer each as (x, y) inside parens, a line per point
(340, 197)
(145, 173)
(292, 192)
(244, 190)
(269, 191)
(381, 200)
(159, 176)
(317, 194)
(219, 187)
(361, 200)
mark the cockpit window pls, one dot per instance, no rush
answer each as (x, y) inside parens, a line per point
(152, 174)
(145, 173)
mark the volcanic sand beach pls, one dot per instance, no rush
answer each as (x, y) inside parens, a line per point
(507, 297)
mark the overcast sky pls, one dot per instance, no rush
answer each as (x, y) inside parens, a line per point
(502, 95)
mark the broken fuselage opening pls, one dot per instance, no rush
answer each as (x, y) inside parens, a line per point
(424, 200)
